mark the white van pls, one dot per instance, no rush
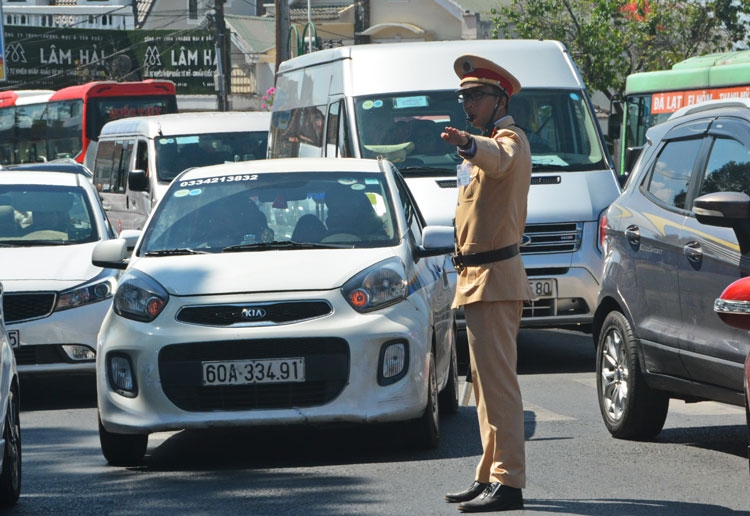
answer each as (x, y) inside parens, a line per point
(395, 99)
(137, 158)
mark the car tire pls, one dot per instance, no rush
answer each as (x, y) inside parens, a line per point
(424, 433)
(629, 407)
(122, 449)
(10, 477)
(448, 398)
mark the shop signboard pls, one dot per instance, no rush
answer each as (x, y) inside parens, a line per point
(38, 58)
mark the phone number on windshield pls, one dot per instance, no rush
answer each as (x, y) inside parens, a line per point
(222, 179)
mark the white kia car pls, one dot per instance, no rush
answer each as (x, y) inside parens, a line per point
(10, 431)
(55, 299)
(276, 292)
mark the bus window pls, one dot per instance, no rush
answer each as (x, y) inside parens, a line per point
(64, 131)
(103, 109)
(7, 135)
(31, 130)
(40, 125)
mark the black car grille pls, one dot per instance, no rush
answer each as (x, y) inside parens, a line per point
(19, 307)
(261, 313)
(40, 355)
(327, 363)
(553, 238)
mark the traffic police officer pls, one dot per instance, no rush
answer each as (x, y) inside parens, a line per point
(492, 284)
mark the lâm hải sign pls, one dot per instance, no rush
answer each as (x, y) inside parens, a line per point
(38, 58)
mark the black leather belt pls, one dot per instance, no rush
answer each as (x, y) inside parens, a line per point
(461, 261)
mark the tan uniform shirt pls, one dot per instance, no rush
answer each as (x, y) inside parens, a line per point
(491, 214)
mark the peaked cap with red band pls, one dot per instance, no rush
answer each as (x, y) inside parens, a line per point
(474, 71)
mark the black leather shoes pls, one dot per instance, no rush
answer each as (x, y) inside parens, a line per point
(472, 492)
(495, 497)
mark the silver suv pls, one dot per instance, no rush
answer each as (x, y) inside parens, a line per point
(673, 240)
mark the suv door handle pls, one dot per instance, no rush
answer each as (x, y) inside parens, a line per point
(693, 251)
(633, 234)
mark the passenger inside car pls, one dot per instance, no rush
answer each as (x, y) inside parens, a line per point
(351, 212)
(8, 225)
(309, 228)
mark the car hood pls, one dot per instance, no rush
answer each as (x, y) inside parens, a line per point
(46, 268)
(563, 197)
(258, 271)
(570, 196)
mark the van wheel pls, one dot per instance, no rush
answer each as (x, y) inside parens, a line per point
(629, 407)
(122, 449)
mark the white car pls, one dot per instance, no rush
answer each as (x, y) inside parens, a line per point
(55, 299)
(10, 431)
(276, 292)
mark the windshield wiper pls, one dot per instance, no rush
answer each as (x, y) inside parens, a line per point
(174, 252)
(278, 244)
(34, 243)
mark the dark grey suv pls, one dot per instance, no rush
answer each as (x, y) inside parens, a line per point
(673, 240)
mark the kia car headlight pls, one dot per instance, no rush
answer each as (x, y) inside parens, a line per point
(139, 297)
(376, 287)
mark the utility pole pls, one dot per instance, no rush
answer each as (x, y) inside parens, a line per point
(362, 22)
(223, 69)
(282, 31)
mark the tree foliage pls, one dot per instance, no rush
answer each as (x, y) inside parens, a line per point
(610, 39)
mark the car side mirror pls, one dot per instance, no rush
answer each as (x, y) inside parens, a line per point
(727, 210)
(137, 180)
(613, 126)
(436, 240)
(111, 254)
(733, 306)
(631, 156)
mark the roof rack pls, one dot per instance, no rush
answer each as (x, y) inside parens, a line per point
(711, 104)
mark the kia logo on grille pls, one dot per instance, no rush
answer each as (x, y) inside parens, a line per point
(525, 240)
(254, 314)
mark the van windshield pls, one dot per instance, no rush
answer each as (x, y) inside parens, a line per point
(406, 127)
(177, 153)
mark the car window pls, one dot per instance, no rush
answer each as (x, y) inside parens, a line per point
(670, 177)
(413, 222)
(728, 168)
(45, 215)
(337, 209)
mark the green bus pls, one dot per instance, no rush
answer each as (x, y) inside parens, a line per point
(651, 97)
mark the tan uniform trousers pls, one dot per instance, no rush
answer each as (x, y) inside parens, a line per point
(492, 328)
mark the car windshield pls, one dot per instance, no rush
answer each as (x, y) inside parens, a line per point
(34, 215)
(257, 212)
(405, 128)
(177, 153)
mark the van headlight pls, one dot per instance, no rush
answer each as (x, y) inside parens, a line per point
(139, 297)
(376, 287)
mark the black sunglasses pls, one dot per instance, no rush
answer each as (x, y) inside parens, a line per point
(474, 96)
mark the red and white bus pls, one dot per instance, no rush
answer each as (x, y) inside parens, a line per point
(42, 125)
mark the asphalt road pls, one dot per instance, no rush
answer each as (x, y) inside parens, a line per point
(697, 466)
